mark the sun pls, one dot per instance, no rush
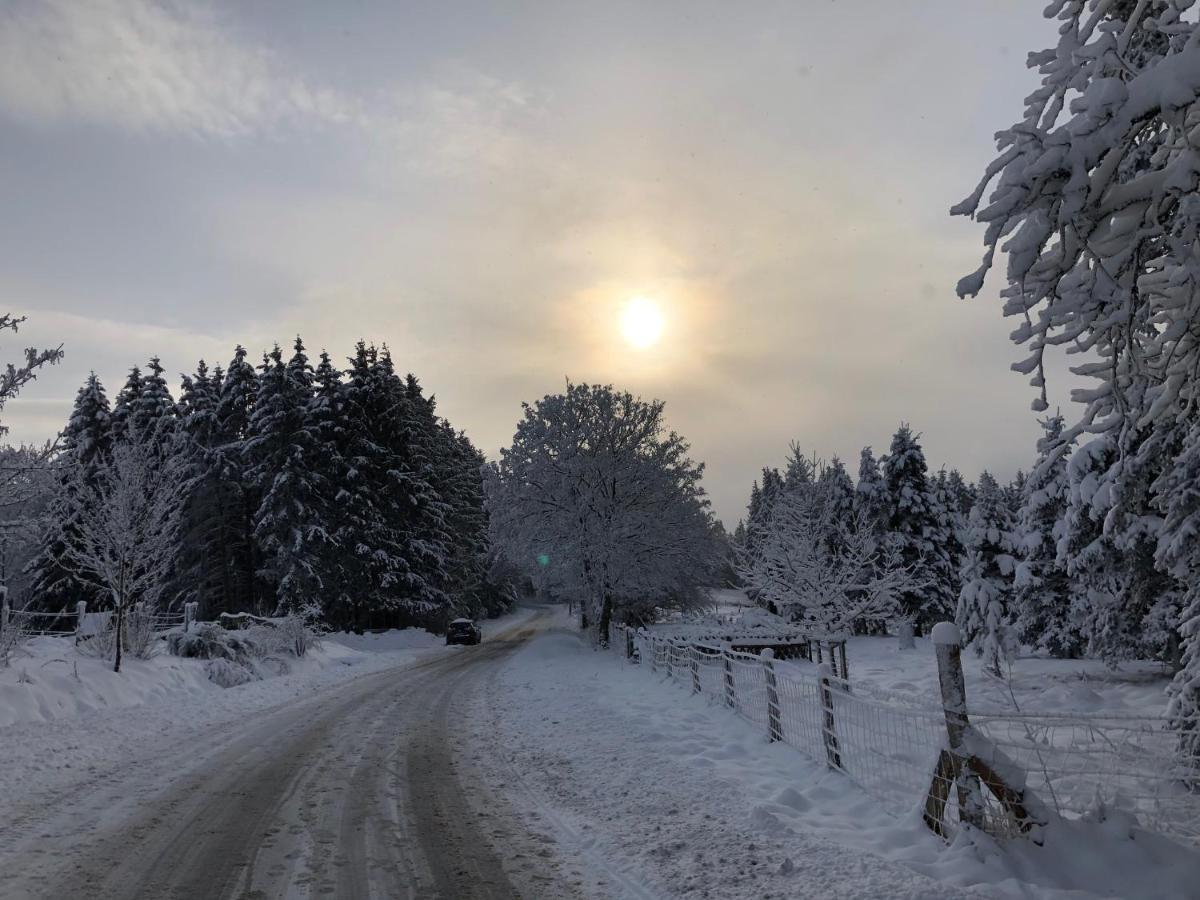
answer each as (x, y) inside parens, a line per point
(642, 322)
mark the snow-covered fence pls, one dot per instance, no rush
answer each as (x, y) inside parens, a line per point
(785, 643)
(1005, 771)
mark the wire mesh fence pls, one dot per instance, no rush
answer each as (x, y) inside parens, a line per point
(1007, 773)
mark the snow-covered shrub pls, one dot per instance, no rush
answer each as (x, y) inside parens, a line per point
(141, 641)
(12, 638)
(211, 642)
(227, 673)
(102, 644)
(300, 629)
(245, 654)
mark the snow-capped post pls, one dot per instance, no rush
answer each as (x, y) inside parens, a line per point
(189, 615)
(947, 643)
(904, 636)
(844, 672)
(694, 654)
(653, 650)
(774, 723)
(80, 613)
(833, 752)
(730, 687)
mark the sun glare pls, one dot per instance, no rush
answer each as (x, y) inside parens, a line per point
(642, 323)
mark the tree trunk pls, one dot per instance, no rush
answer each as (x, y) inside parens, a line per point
(606, 612)
(120, 635)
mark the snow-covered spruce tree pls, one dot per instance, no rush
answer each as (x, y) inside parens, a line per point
(85, 444)
(126, 525)
(822, 562)
(328, 420)
(202, 572)
(1096, 205)
(126, 404)
(596, 500)
(238, 501)
(983, 613)
(1179, 554)
(1041, 600)
(870, 494)
(1108, 551)
(391, 522)
(912, 528)
(289, 523)
(951, 525)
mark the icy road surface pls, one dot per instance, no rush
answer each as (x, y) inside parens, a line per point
(354, 792)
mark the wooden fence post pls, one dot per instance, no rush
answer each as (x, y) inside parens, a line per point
(189, 615)
(817, 642)
(694, 660)
(845, 673)
(774, 723)
(833, 752)
(80, 612)
(670, 658)
(653, 641)
(730, 687)
(947, 643)
(628, 643)
(5, 610)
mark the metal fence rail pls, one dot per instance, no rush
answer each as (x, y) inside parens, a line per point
(1010, 771)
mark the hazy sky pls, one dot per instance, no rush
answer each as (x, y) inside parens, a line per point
(483, 186)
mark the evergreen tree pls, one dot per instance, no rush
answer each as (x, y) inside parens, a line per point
(238, 501)
(912, 529)
(86, 443)
(870, 493)
(203, 572)
(1041, 603)
(125, 407)
(983, 613)
(279, 452)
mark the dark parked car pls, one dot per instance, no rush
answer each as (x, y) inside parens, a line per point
(463, 631)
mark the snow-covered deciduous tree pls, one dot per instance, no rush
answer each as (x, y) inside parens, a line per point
(126, 519)
(1096, 205)
(15, 376)
(596, 499)
(983, 613)
(822, 560)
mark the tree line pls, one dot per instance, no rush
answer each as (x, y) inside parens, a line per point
(287, 486)
(1021, 564)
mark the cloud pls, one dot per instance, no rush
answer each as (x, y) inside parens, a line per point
(147, 66)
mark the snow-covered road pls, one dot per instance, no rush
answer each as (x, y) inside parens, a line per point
(353, 792)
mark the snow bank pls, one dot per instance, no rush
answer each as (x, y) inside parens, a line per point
(50, 680)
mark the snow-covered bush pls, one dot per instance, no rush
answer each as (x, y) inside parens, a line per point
(12, 638)
(228, 674)
(235, 656)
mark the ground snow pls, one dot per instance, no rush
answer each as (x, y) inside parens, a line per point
(57, 730)
(668, 796)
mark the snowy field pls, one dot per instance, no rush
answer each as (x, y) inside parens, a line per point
(666, 795)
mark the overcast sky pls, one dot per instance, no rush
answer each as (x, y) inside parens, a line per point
(483, 186)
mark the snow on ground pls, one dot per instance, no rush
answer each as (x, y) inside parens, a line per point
(668, 796)
(57, 729)
(1035, 684)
